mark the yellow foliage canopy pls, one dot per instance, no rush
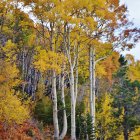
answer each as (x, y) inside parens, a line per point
(8, 75)
(10, 50)
(134, 71)
(11, 109)
(50, 60)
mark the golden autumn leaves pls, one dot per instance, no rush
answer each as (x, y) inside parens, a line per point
(50, 60)
(12, 109)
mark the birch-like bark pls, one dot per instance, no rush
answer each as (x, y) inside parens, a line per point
(91, 82)
(76, 83)
(54, 93)
(93, 87)
(55, 112)
(72, 80)
(76, 76)
(62, 78)
(73, 126)
(64, 130)
(59, 82)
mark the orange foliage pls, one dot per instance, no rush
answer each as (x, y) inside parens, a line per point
(111, 65)
(26, 131)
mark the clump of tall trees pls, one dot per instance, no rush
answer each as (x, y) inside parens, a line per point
(59, 66)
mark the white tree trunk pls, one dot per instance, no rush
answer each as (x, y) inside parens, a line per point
(93, 87)
(72, 80)
(55, 111)
(59, 82)
(64, 130)
(76, 80)
(73, 126)
(91, 82)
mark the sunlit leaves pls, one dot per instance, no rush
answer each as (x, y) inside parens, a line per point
(104, 117)
(10, 50)
(8, 75)
(11, 109)
(50, 60)
(134, 71)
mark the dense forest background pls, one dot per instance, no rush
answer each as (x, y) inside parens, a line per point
(61, 72)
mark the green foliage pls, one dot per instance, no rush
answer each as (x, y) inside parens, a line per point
(43, 111)
(84, 127)
(90, 128)
(125, 99)
(30, 133)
